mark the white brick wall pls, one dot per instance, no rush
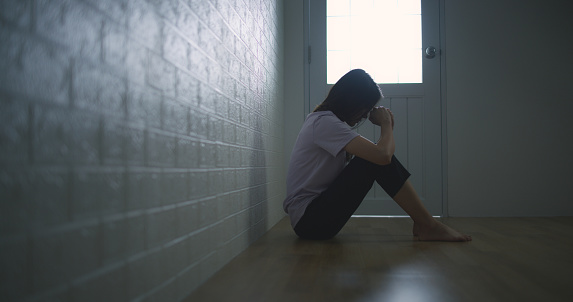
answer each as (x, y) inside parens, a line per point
(141, 143)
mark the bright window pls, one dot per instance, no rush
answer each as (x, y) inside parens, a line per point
(383, 37)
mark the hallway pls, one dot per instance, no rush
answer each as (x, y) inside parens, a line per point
(144, 144)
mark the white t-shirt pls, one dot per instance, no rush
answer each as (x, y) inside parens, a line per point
(317, 159)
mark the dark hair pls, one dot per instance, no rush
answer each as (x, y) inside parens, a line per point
(352, 93)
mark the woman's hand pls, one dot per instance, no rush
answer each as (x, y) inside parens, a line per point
(381, 152)
(382, 117)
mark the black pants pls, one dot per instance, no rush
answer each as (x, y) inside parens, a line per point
(328, 213)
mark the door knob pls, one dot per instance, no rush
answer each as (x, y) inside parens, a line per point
(430, 52)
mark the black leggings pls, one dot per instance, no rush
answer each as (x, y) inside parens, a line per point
(328, 213)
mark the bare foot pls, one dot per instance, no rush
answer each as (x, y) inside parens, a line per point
(439, 232)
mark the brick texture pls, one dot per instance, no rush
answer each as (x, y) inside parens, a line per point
(141, 143)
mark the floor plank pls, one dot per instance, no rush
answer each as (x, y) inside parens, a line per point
(377, 259)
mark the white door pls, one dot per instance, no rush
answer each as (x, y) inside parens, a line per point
(411, 88)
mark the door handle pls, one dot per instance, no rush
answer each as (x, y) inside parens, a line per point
(430, 52)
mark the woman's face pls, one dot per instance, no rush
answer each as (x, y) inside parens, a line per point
(363, 114)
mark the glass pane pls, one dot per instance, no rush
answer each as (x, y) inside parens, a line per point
(341, 67)
(408, 66)
(339, 33)
(383, 37)
(338, 8)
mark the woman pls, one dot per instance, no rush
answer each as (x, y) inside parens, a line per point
(324, 189)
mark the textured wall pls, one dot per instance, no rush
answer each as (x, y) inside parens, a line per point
(140, 143)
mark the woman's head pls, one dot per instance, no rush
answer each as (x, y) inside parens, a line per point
(353, 96)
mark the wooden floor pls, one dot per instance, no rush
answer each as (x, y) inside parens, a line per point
(377, 259)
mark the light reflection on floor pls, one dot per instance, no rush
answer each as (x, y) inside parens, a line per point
(410, 282)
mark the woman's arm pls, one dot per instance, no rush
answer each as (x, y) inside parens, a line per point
(381, 152)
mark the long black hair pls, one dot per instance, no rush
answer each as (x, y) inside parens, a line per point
(353, 93)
